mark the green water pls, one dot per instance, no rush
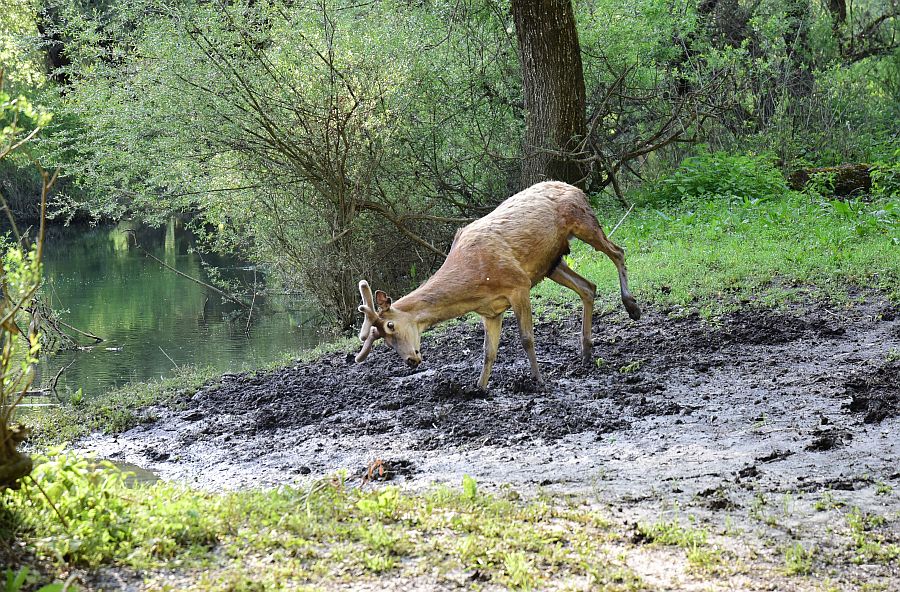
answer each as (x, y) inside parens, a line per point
(151, 319)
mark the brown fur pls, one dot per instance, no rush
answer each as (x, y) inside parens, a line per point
(492, 265)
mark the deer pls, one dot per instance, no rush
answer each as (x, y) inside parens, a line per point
(492, 265)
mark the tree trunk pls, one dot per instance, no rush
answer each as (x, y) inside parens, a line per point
(553, 85)
(55, 50)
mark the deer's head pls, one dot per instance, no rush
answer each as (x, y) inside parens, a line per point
(398, 329)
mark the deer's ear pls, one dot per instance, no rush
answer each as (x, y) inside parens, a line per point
(382, 300)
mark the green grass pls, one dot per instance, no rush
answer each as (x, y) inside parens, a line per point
(716, 254)
(114, 411)
(701, 556)
(325, 533)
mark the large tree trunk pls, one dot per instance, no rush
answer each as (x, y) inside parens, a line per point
(553, 83)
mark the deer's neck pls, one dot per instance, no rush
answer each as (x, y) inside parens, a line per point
(431, 303)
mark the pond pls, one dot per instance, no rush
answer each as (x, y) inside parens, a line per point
(152, 319)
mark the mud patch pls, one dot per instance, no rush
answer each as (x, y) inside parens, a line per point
(746, 422)
(658, 368)
(876, 394)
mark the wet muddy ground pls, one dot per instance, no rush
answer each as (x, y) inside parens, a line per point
(774, 424)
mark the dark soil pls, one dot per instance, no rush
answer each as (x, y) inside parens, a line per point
(641, 371)
(876, 392)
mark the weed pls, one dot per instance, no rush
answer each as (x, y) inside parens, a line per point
(382, 505)
(470, 488)
(758, 510)
(672, 533)
(519, 571)
(868, 545)
(883, 488)
(705, 559)
(827, 502)
(15, 581)
(787, 502)
(798, 560)
(631, 367)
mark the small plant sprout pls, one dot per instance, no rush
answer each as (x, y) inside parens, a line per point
(798, 560)
(632, 367)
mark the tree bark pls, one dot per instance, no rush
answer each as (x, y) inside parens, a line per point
(54, 47)
(553, 87)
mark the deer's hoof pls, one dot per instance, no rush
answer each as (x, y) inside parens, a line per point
(634, 311)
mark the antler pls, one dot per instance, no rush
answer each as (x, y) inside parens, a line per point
(367, 308)
(369, 332)
(367, 345)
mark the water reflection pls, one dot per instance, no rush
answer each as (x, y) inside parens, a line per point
(150, 317)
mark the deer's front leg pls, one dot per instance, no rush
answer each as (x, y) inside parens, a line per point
(492, 326)
(521, 305)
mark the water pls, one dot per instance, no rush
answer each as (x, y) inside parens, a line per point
(151, 319)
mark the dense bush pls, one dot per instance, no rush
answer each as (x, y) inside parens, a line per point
(886, 178)
(82, 515)
(719, 175)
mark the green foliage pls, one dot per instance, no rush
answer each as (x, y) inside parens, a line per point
(20, 120)
(16, 581)
(20, 60)
(284, 538)
(311, 150)
(329, 152)
(886, 178)
(718, 175)
(82, 515)
(20, 278)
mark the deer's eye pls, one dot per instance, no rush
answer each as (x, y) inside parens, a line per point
(390, 325)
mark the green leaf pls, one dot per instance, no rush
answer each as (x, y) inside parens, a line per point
(470, 487)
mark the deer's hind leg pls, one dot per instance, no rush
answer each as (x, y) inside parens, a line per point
(563, 275)
(588, 230)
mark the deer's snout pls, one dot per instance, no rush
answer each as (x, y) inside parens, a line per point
(413, 361)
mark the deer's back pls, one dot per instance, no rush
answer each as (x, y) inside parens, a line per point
(526, 234)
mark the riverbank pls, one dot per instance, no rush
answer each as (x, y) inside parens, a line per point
(759, 450)
(743, 435)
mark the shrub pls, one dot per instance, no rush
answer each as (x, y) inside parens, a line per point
(719, 175)
(886, 178)
(83, 515)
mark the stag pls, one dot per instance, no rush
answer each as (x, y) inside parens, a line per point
(492, 266)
